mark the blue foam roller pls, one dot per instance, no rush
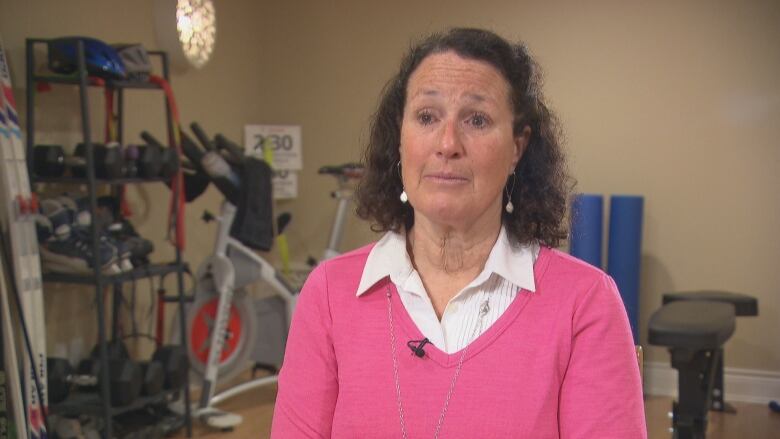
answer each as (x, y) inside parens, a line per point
(625, 252)
(586, 228)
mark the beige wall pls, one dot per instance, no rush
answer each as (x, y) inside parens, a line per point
(677, 101)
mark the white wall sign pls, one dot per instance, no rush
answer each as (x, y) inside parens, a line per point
(284, 140)
(285, 184)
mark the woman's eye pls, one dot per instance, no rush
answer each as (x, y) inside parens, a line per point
(478, 120)
(425, 118)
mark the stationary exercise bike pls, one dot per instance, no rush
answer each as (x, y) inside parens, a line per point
(223, 322)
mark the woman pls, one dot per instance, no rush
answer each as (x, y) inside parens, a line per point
(508, 337)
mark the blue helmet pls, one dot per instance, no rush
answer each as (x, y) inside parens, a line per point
(102, 60)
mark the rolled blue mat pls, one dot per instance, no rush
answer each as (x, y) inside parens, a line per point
(586, 228)
(625, 251)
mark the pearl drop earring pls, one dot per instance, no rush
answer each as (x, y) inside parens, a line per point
(509, 191)
(404, 198)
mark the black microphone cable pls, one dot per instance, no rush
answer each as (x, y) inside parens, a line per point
(418, 350)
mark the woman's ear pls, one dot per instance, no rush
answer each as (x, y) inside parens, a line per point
(521, 143)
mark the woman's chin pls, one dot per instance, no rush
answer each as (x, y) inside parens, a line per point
(448, 214)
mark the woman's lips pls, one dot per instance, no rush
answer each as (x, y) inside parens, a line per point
(445, 178)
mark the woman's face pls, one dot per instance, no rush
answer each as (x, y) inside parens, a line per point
(457, 145)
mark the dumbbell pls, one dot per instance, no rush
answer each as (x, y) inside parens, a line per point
(152, 372)
(153, 377)
(176, 365)
(170, 162)
(131, 160)
(108, 159)
(60, 378)
(48, 160)
(125, 379)
(111, 161)
(125, 375)
(172, 359)
(149, 161)
(169, 157)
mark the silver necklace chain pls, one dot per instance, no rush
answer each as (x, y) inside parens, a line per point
(395, 365)
(483, 310)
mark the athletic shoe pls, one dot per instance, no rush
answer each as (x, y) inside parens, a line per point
(73, 255)
(139, 248)
(67, 250)
(81, 221)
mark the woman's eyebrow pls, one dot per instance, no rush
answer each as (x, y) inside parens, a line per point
(426, 92)
(477, 97)
(429, 92)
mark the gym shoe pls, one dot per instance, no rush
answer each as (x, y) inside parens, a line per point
(67, 252)
(120, 249)
(73, 255)
(43, 229)
(138, 247)
(81, 221)
(122, 230)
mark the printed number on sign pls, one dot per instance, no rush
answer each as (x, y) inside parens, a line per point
(283, 142)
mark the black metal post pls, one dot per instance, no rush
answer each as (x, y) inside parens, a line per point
(719, 403)
(696, 373)
(179, 272)
(96, 261)
(116, 193)
(120, 105)
(116, 305)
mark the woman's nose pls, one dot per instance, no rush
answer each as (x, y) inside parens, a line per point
(450, 145)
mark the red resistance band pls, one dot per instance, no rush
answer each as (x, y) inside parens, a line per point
(177, 183)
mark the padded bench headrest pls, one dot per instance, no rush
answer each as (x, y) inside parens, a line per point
(743, 304)
(698, 324)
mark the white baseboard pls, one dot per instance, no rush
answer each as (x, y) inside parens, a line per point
(742, 385)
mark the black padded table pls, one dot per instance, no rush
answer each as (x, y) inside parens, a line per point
(744, 305)
(699, 324)
(695, 325)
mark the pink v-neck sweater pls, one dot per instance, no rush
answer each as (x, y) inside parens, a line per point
(559, 363)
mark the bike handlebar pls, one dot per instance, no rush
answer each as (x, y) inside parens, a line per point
(233, 150)
(202, 137)
(224, 183)
(348, 170)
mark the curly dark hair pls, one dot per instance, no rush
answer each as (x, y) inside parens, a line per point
(541, 185)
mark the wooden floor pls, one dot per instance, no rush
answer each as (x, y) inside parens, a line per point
(752, 421)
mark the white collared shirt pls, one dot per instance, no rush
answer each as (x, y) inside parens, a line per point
(508, 268)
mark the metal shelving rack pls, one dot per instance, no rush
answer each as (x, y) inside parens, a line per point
(98, 279)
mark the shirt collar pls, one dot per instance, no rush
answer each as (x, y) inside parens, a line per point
(388, 258)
